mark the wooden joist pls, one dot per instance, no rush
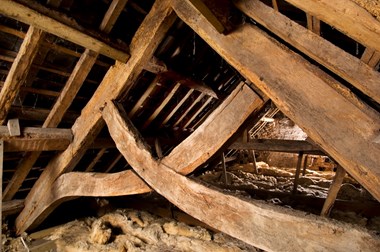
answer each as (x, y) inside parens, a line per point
(19, 70)
(325, 53)
(70, 32)
(343, 130)
(346, 16)
(12, 207)
(271, 228)
(191, 153)
(278, 145)
(38, 114)
(117, 81)
(66, 97)
(36, 139)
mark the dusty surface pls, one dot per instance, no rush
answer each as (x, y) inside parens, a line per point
(131, 230)
(372, 6)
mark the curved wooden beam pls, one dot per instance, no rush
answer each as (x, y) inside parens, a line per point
(75, 184)
(187, 156)
(271, 228)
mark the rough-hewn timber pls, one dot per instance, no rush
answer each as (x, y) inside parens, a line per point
(343, 130)
(268, 227)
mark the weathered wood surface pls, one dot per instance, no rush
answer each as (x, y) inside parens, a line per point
(333, 191)
(325, 53)
(19, 70)
(46, 23)
(343, 130)
(35, 114)
(215, 131)
(346, 16)
(268, 227)
(14, 127)
(277, 145)
(36, 139)
(117, 81)
(12, 207)
(65, 98)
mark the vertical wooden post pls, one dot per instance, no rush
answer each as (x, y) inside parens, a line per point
(1, 186)
(304, 165)
(275, 5)
(298, 170)
(333, 191)
(224, 168)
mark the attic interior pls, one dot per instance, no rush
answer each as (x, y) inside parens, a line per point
(193, 125)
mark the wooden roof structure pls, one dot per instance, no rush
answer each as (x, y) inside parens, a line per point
(110, 98)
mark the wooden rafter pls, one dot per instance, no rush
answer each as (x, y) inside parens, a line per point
(191, 153)
(277, 145)
(66, 97)
(19, 70)
(344, 131)
(48, 24)
(118, 80)
(251, 222)
(35, 139)
(204, 105)
(175, 109)
(343, 64)
(346, 16)
(188, 109)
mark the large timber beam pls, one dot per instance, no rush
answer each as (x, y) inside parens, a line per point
(19, 70)
(116, 82)
(268, 227)
(48, 22)
(195, 150)
(346, 16)
(66, 97)
(36, 139)
(325, 53)
(301, 91)
(277, 145)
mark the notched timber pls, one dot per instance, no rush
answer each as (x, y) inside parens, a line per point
(36, 139)
(338, 126)
(271, 228)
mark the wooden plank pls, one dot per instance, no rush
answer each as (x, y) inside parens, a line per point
(113, 12)
(175, 109)
(46, 23)
(117, 81)
(36, 139)
(187, 111)
(271, 228)
(344, 131)
(333, 191)
(12, 207)
(204, 105)
(66, 97)
(298, 171)
(347, 17)
(325, 53)
(371, 57)
(95, 160)
(19, 70)
(191, 153)
(277, 145)
(38, 114)
(207, 13)
(14, 127)
(162, 105)
(142, 99)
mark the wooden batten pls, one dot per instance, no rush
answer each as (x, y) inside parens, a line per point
(46, 23)
(267, 227)
(117, 81)
(343, 130)
(19, 70)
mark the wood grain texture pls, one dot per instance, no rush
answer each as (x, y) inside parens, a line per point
(268, 227)
(346, 16)
(27, 15)
(343, 130)
(19, 70)
(118, 80)
(325, 53)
